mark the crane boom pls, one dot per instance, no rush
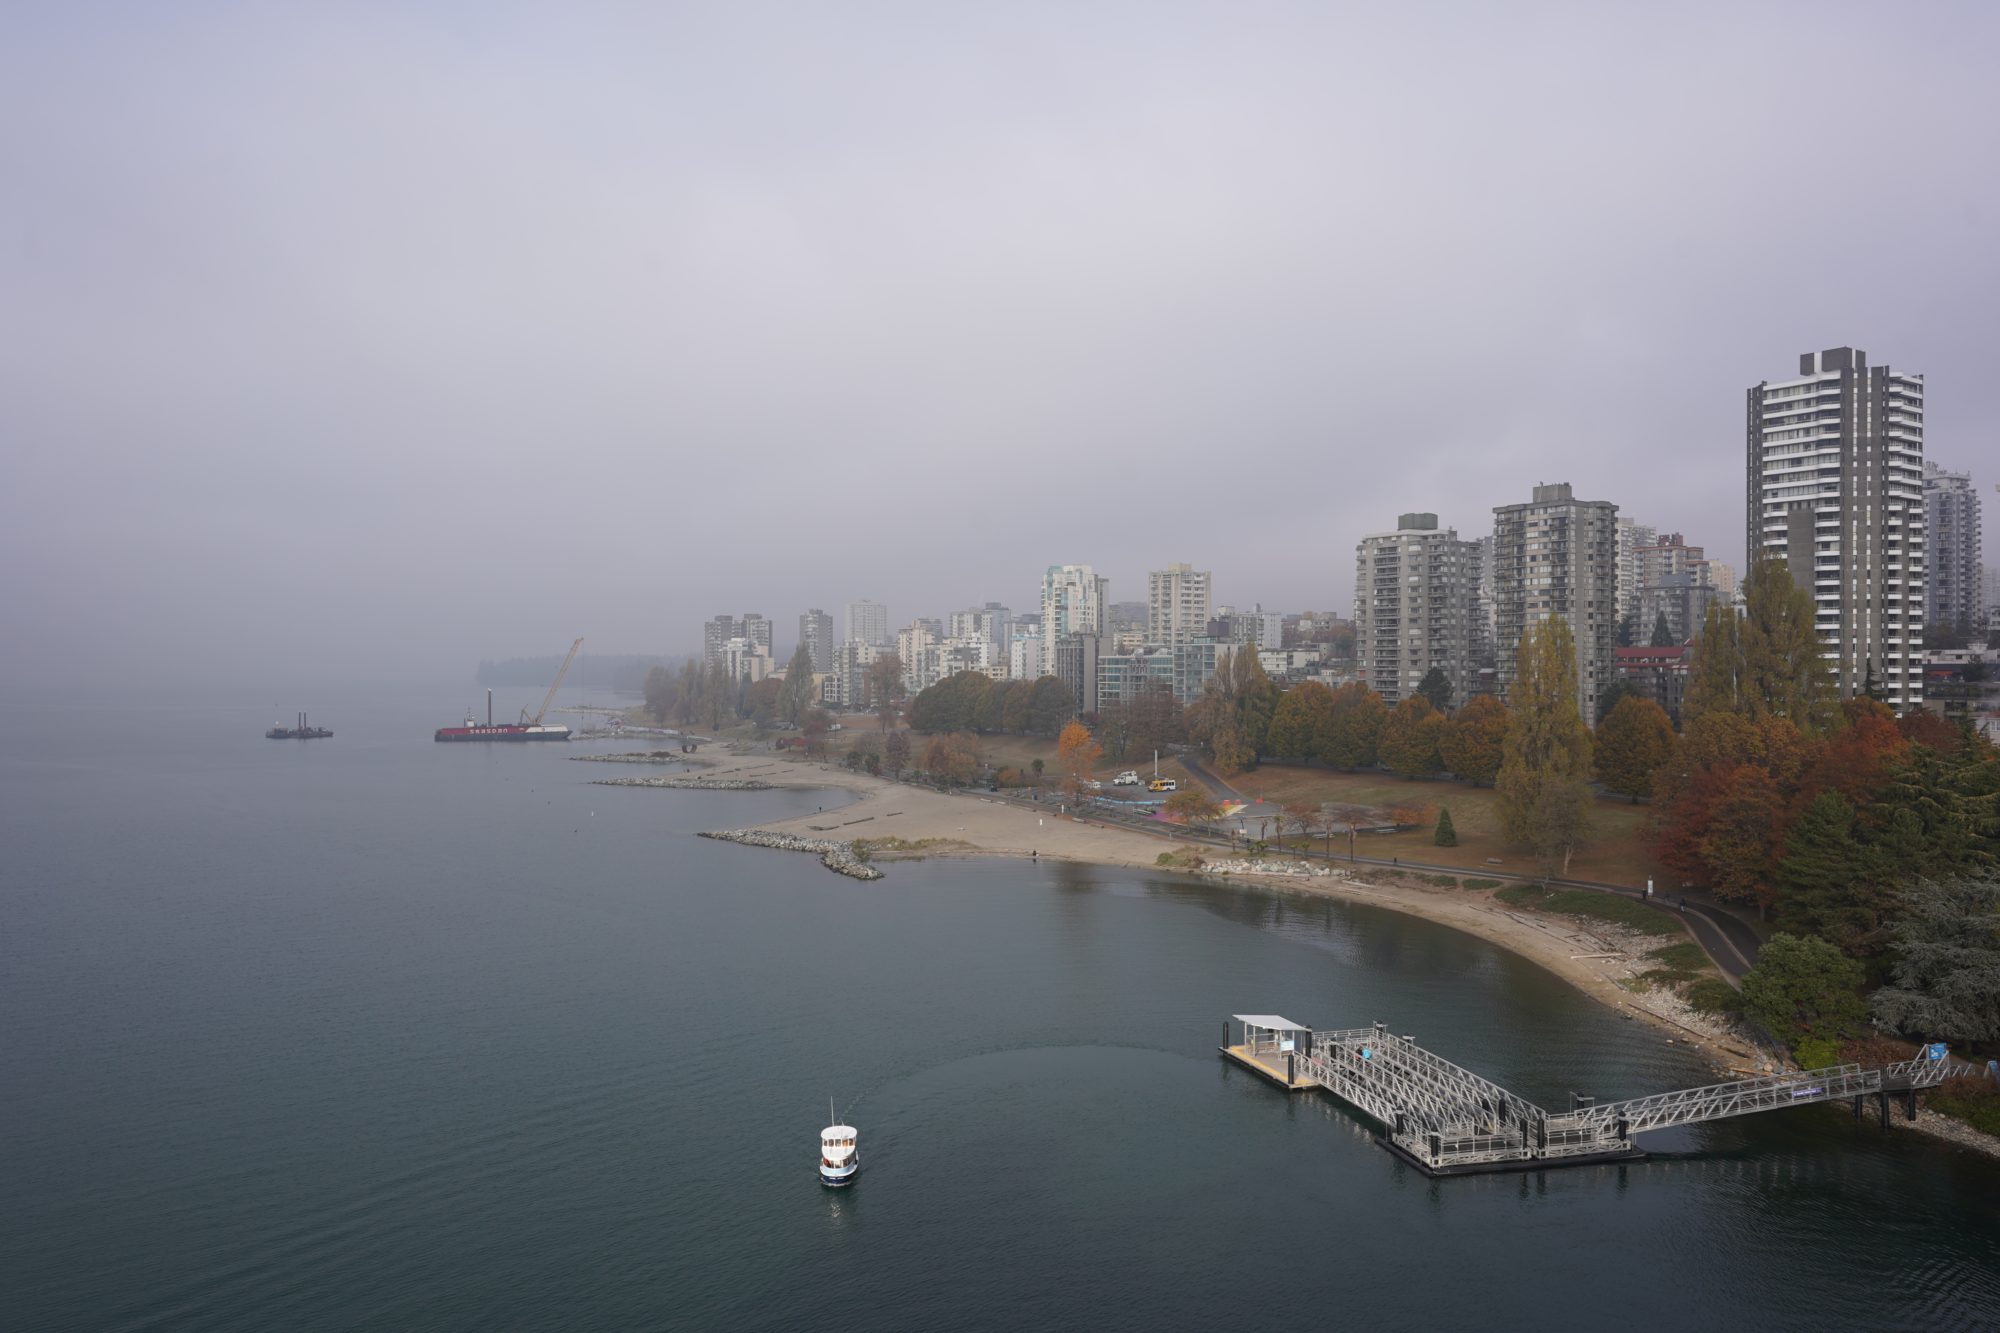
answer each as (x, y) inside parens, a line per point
(550, 697)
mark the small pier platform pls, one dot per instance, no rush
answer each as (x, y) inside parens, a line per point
(1274, 1049)
(1449, 1121)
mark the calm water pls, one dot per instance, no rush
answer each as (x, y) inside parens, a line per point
(377, 1032)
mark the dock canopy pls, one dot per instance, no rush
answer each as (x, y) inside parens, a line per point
(1270, 1023)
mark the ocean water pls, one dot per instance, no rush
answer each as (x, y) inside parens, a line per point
(373, 1032)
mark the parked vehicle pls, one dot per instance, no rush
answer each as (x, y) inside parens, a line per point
(1126, 779)
(1163, 784)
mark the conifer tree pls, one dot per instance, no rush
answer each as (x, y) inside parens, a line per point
(1663, 633)
(1446, 835)
(1436, 689)
(1546, 759)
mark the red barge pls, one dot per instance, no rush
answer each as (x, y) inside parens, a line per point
(527, 729)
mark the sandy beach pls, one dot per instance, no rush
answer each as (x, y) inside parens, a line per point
(1594, 959)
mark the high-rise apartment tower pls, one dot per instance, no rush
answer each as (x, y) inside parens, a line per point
(1835, 462)
(1558, 556)
(1416, 607)
(1954, 599)
(1177, 604)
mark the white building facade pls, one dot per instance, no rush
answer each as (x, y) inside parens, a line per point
(1835, 460)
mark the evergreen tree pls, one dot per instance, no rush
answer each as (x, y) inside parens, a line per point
(1823, 878)
(1446, 835)
(1437, 689)
(1946, 982)
(1545, 767)
(1663, 633)
(1803, 988)
(1632, 741)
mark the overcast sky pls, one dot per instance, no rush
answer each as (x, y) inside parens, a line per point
(356, 341)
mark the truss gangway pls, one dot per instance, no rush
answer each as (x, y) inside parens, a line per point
(1449, 1120)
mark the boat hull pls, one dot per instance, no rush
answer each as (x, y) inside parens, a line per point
(502, 733)
(839, 1178)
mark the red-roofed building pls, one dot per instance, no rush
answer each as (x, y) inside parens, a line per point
(1659, 674)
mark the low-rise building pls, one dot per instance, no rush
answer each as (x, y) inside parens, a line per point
(1659, 674)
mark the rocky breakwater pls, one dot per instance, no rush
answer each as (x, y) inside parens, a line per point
(838, 857)
(686, 784)
(642, 757)
(1260, 866)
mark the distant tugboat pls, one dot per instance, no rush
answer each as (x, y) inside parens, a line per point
(839, 1153)
(301, 732)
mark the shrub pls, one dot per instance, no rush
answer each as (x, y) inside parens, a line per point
(1976, 1101)
(1591, 906)
(1442, 881)
(1481, 884)
(1713, 996)
(1817, 1053)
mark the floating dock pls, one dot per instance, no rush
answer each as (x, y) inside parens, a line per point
(1449, 1121)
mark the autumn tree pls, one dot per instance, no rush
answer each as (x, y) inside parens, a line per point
(718, 694)
(1302, 722)
(1232, 718)
(883, 685)
(1436, 687)
(1784, 674)
(759, 702)
(662, 690)
(1193, 806)
(896, 753)
(797, 693)
(953, 704)
(1742, 836)
(1354, 729)
(1155, 718)
(1472, 741)
(951, 759)
(1409, 742)
(815, 724)
(1715, 670)
(1544, 779)
(1632, 741)
(1077, 752)
(687, 696)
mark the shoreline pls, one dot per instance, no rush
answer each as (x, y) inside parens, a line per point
(968, 826)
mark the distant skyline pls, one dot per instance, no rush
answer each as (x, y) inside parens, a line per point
(344, 344)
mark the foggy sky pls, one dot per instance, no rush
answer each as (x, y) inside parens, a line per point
(359, 342)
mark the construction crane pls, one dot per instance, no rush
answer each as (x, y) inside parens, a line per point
(550, 697)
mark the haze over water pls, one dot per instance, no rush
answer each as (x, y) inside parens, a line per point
(376, 1032)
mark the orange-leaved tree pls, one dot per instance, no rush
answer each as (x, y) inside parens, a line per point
(1077, 752)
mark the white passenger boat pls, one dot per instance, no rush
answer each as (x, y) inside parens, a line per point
(839, 1153)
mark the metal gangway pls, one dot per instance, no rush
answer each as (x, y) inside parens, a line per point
(1449, 1120)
